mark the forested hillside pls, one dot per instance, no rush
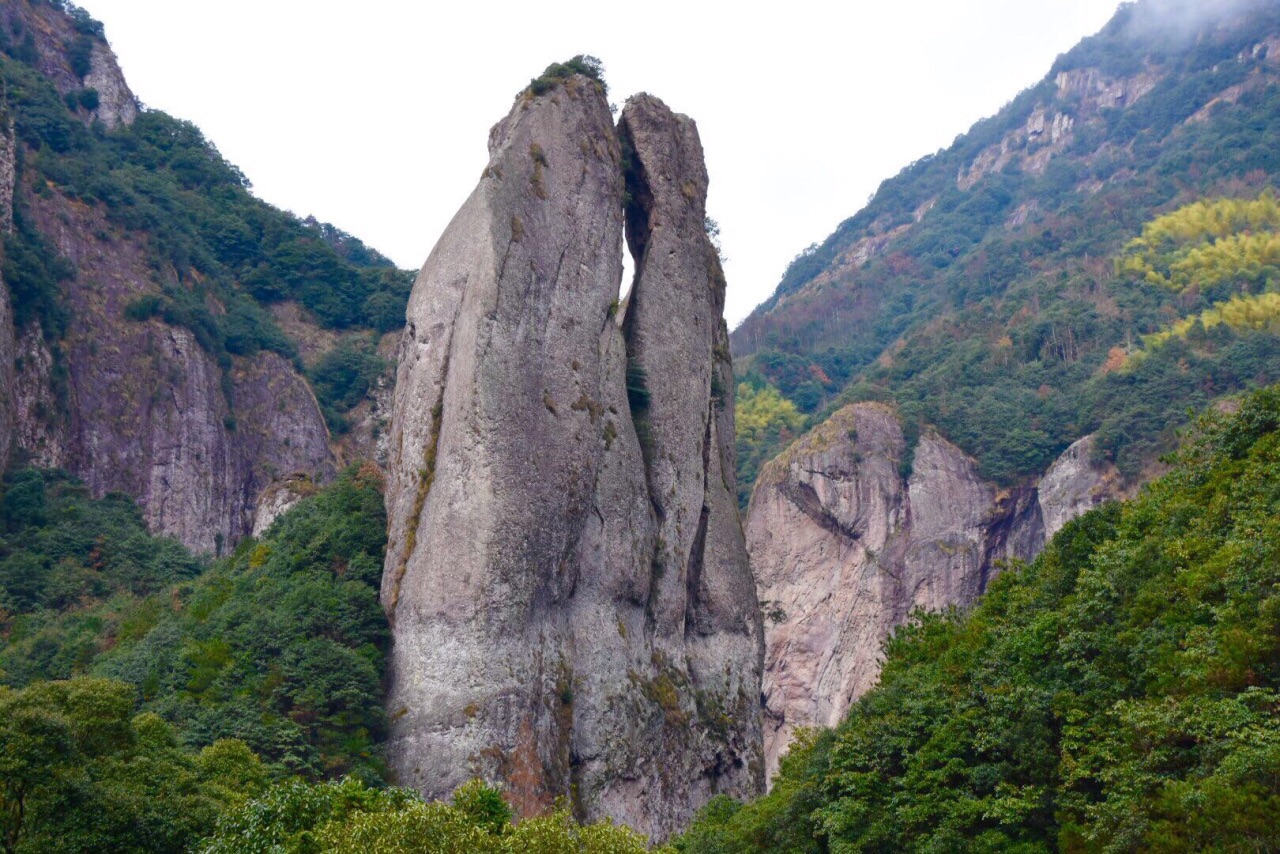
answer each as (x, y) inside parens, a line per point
(1119, 693)
(152, 701)
(221, 255)
(991, 290)
(165, 333)
(280, 645)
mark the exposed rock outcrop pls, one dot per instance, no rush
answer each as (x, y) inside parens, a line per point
(279, 498)
(140, 407)
(1074, 484)
(844, 550)
(55, 38)
(116, 103)
(8, 344)
(572, 609)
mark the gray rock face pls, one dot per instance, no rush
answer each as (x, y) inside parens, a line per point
(116, 103)
(279, 498)
(52, 32)
(844, 551)
(8, 344)
(140, 408)
(703, 604)
(1074, 484)
(548, 634)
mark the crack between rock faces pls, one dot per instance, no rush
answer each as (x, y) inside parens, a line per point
(806, 500)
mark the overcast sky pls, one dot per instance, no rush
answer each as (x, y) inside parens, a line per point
(374, 116)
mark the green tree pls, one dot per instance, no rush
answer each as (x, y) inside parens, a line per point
(79, 773)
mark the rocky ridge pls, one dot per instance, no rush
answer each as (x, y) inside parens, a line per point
(844, 550)
(572, 608)
(129, 405)
(140, 407)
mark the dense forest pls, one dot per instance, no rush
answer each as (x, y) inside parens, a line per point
(1117, 694)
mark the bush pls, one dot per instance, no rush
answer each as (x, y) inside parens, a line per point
(80, 773)
(343, 376)
(558, 72)
(349, 817)
(79, 54)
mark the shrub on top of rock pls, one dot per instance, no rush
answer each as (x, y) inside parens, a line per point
(558, 72)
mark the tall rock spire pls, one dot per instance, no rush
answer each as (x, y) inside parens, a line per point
(561, 624)
(704, 602)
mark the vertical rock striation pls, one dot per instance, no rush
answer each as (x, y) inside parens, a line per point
(844, 550)
(567, 619)
(141, 408)
(8, 342)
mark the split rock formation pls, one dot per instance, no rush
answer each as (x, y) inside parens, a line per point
(573, 612)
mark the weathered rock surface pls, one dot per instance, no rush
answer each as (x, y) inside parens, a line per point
(279, 498)
(116, 103)
(844, 551)
(8, 344)
(52, 34)
(703, 605)
(567, 619)
(139, 407)
(1074, 484)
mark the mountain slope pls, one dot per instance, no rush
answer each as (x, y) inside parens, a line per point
(163, 319)
(1117, 694)
(978, 288)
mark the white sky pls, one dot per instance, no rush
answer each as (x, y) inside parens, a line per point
(374, 116)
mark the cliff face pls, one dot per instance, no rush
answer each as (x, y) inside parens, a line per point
(140, 407)
(132, 405)
(72, 52)
(571, 605)
(844, 550)
(8, 346)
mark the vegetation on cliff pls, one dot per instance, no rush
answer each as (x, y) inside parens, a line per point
(558, 72)
(1119, 693)
(281, 645)
(979, 288)
(219, 256)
